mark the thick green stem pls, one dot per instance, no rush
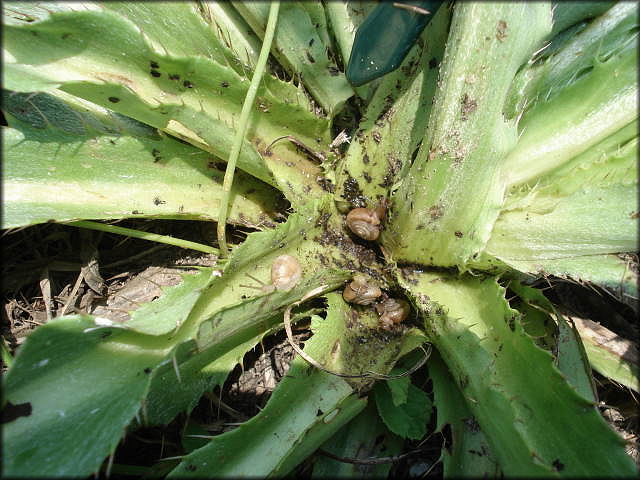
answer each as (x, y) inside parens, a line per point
(242, 127)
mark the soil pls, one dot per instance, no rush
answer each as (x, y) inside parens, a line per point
(52, 269)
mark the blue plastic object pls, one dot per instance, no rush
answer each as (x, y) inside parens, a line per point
(385, 38)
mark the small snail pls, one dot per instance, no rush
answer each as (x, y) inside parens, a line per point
(285, 272)
(361, 292)
(364, 222)
(392, 311)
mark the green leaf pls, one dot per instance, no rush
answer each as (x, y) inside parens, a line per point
(394, 123)
(169, 396)
(569, 353)
(105, 56)
(566, 14)
(444, 210)
(612, 272)
(63, 169)
(307, 408)
(291, 414)
(344, 18)
(399, 388)
(165, 22)
(77, 380)
(301, 45)
(573, 53)
(609, 354)
(593, 221)
(167, 313)
(612, 161)
(531, 416)
(586, 112)
(232, 30)
(409, 419)
(469, 454)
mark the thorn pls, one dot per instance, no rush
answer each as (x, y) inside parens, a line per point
(110, 464)
(175, 367)
(143, 410)
(177, 457)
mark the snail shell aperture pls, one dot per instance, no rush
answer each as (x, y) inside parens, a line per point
(392, 311)
(364, 222)
(285, 272)
(361, 292)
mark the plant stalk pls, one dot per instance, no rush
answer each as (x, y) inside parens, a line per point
(154, 237)
(244, 121)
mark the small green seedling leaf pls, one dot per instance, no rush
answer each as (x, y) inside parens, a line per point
(399, 388)
(409, 419)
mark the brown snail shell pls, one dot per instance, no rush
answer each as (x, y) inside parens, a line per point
(285, 272)
(360, 291)
(364, 222)
(392, 311)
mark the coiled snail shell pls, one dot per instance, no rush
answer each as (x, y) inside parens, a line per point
(285, 272)
(360, 291)
(364, 222)
(392, 311)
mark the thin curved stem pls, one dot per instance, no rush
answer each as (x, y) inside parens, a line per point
(242, 126)
(309, 359)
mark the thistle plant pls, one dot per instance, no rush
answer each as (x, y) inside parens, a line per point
(503, 150)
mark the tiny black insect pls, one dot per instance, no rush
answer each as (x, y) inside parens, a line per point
(114, 99)
(156, 155)
(310, 57)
